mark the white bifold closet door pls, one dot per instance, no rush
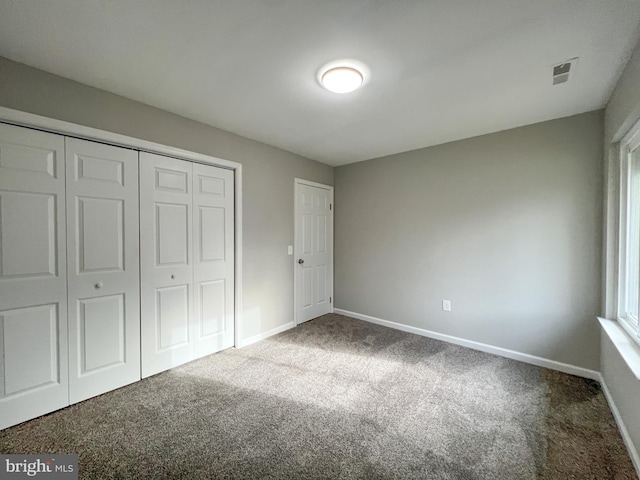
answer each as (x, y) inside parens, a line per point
(103, 267)
(33, 275)
(214, 260)
(186, 259)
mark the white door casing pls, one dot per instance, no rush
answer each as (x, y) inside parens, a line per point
(213, 251)
(313, 250)
(103, 267)
(33, 275)
(166, 262)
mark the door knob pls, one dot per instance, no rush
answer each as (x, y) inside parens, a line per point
(98, 285)
(300, 261)
(173, 276)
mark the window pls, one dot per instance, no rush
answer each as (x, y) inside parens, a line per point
(629, 252)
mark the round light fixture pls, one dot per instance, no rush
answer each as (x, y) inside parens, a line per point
(342, 79)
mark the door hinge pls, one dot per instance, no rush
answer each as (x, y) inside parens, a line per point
(330, 206)
(330, 300)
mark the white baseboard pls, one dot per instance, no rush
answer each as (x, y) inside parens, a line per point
(261, 336)
(483, 347)
(626, 438)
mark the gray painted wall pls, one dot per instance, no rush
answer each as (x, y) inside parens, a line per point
(267, 184)
(623, 386)
(623, 109)
(621, 114)
(507, 226)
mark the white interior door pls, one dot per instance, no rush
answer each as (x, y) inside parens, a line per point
(213, 273)
(102, 252)
(313, 249)
(166, 262)
(33, 275)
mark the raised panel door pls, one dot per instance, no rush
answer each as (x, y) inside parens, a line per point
(214, 263)
(33, 282)
(102, 247)
(166, 261)
(314, 251)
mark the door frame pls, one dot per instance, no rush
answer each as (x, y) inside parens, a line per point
(301, 181)
(52, 125)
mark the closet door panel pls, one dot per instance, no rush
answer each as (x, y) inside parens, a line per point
(33, 275)
(214, 265)
(103, 243)
(172, 308)
(102, 343)
(101, 232)
(166, 260)
(30, 339)
(172, 234)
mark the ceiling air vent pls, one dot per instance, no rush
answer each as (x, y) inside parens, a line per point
(563, 71)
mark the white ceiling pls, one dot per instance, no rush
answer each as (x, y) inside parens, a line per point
(441, 70)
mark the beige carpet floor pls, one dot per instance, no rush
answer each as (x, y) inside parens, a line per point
(340, 398)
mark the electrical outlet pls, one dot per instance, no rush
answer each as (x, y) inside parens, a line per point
(446, 305)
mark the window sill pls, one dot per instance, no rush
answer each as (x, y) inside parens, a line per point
(628, 348)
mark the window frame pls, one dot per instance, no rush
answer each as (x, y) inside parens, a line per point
(629, 161)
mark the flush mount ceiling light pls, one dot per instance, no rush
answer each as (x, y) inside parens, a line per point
(342, 76)
(342, 79)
